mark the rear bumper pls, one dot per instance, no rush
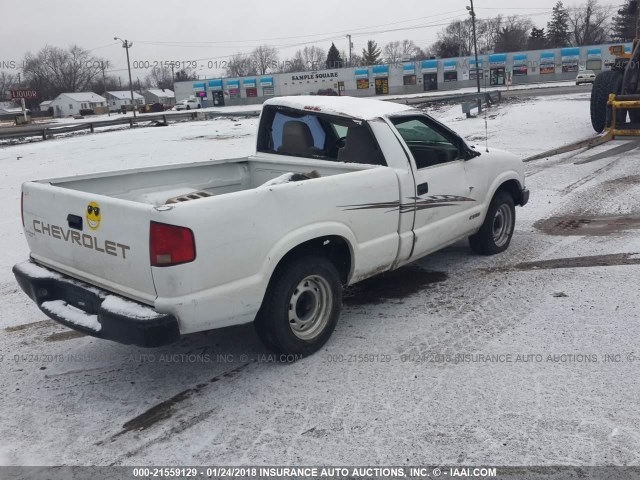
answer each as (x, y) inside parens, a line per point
(89, 310)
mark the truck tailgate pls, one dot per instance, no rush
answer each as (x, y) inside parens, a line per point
(101, 240)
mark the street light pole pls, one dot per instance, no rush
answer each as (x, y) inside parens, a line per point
(127, 45)
(475, 48)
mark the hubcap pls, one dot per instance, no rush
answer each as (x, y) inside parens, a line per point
(502, 225)
(310, 307)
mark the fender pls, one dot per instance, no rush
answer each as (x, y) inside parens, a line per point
(497, 182)
(305, 234)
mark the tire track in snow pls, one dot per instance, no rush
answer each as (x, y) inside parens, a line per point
(167, 410)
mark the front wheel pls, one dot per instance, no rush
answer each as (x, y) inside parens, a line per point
(301, 307)
(497, 230)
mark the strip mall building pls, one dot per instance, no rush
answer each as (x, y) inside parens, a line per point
(405, 78)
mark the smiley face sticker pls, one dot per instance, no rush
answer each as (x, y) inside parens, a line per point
(93, 216)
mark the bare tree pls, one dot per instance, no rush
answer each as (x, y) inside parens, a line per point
(314, 57)
(7, 82)
(159, 77)
(456, 40)
(590, 23)
(488, 33)
(186, 74)
(409, 50)
(240, 65)
(54, 70)
(514, 34)
(265, 59)
(392, 52)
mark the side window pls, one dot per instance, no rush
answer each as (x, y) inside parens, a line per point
(428, 146)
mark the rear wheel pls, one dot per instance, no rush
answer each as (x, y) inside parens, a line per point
(495, 234)
(604, 85)
(301, 307)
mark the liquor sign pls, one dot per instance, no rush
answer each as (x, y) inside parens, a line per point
(26, 94)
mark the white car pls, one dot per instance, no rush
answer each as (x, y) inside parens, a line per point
(585, 76)
(340, 189)
(188, 104)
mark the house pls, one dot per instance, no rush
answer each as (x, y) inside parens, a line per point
(67, 104)
(44, 106)
(159, 95)
(122, 98)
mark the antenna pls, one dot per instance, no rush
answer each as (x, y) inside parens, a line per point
(486, 120)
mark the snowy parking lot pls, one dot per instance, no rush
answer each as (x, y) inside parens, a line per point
(527, 358)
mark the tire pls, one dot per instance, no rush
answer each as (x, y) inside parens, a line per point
(497, 230)
(301, 307)
(188, 107)
(605, 84)
(634, 116)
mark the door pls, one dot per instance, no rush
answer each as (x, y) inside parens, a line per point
(443, 200)
(430, 82)
(382, 86)
(218, 98)
(497, 76)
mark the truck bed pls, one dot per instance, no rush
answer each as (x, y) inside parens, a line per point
(187, 182)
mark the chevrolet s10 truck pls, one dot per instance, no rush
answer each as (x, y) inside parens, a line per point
(340, 189)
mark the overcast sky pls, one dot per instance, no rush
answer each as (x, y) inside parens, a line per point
(209, 31)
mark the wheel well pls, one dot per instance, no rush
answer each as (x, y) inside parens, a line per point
(335, 248)
(513, 188)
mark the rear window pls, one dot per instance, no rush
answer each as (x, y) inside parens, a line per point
(323, 137)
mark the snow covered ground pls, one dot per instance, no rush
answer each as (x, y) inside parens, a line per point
(530, 384)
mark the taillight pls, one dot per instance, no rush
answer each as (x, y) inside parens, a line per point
(170, 245)
(22, 207)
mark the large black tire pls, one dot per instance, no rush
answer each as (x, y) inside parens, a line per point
(301, 307)
(634, 116)
(497, 229)
(605, 84)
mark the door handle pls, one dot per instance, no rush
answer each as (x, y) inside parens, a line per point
(423, 189)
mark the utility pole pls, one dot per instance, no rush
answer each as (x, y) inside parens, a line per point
(350, 47)
(173, 78)
(127, 45)
(104, 87)
(472, 12)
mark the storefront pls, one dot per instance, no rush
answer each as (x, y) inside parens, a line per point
(249, 85)
(409, 74)
(475, 71)
(200, 91)
(497, 69)
(266, 83)
(430, 75)
(570, 60)
(217, 95)
(547, 63)
(450, 68)
(594, 59)
(381, 79)
(233, 89)
(362, 78)
(520, 68)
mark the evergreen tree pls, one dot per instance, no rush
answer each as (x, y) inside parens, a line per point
(334, 60)
(558, 33)
(623, 27)
(537, 39)
(371, 54)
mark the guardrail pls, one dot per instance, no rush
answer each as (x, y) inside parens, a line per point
(50, 130)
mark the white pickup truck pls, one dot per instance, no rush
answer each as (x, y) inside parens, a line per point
(339, 189)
